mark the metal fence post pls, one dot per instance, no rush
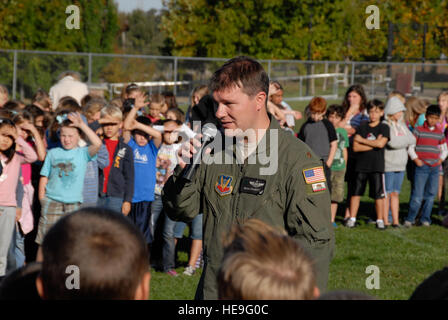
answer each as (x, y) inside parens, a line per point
(175, 76)
(352, 80)
(269, 69)
(89, 80)
(14, 76)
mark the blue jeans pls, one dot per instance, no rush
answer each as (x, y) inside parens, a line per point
(156, 209)
(196, 228)
(394, 181)
(168, 247)
(16, 253)
(111, 203)
(426, 183)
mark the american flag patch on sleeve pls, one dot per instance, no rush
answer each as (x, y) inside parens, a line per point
(314, 175)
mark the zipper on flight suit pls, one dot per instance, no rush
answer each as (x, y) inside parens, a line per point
(242, 172)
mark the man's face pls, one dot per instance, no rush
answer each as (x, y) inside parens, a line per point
(237, 110)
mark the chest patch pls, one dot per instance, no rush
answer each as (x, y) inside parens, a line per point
(223, 185)
(314, 175)
(252, 186)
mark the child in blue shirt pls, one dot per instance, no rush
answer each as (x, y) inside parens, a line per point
(145, 142)
(63, 172)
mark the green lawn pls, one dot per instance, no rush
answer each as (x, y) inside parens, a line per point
(405, 257)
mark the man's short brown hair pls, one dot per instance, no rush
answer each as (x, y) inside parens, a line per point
(262, 263)
(107, 248)
(243, 72)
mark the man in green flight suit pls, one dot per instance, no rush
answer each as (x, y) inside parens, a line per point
(265, 173)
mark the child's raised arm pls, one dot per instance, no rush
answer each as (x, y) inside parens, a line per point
(40, 146)
(95, 141)
(155, 134)
(128, 124)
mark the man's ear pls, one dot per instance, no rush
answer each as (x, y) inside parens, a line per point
(142, 291)
(40, 287)
(260, 98)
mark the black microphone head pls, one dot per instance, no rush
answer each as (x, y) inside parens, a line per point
(209, 130)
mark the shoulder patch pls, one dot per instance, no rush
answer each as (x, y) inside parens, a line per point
(224, 185)
(313, 175)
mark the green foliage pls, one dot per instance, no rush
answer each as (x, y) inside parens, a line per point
(41, 25)
(143, 33)
(280, 29)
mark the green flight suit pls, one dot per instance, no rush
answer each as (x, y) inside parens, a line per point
(290, 200)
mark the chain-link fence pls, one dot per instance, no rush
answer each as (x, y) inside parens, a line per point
(23, 72)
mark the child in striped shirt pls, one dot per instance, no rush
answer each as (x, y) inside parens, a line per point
(428, 153)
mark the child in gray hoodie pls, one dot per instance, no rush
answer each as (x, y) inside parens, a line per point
(396, 155)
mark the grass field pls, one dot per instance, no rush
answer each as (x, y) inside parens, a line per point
(405, 257)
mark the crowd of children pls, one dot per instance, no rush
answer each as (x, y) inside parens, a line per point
(118, 154)
(364, 141)
(88, 152)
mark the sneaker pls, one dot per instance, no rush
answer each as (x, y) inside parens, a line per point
(334, 224)
(172, 273)
(371, 221)
(407, 224)
(350, 223)
(380, 225)
(189, 271)
(396, 226)
(426, 224)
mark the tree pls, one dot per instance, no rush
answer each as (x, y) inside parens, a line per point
(41, 25)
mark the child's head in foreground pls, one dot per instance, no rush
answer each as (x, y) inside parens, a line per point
(105, 247)
(261, 263)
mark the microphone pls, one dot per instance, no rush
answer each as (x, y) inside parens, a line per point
(208, 133)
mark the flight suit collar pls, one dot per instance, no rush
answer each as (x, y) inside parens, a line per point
(263, 146)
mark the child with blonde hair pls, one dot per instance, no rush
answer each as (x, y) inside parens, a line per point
(263, 263)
